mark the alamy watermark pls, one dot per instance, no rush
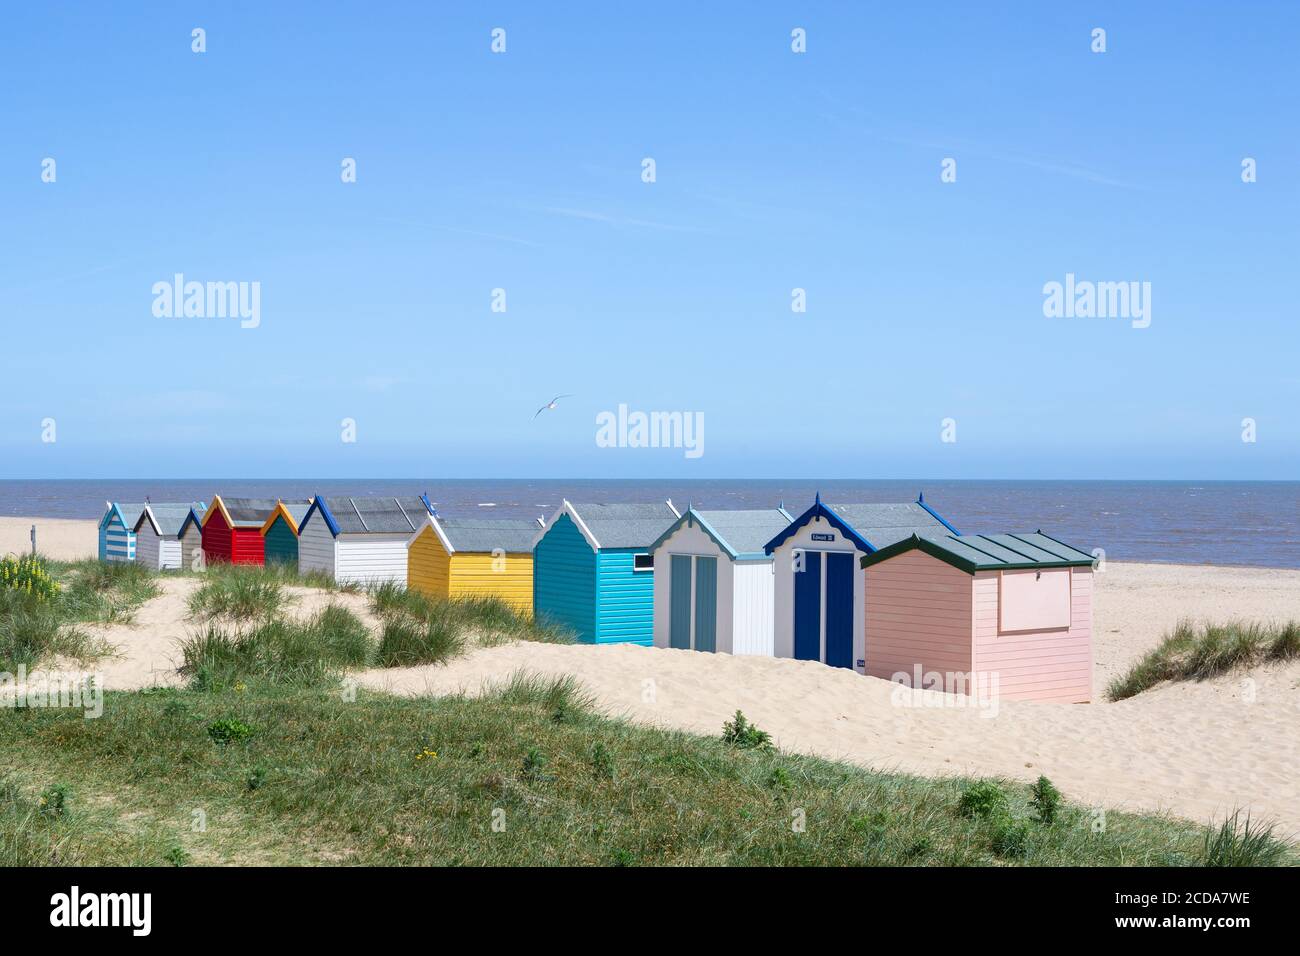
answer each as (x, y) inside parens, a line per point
(624, 429)
(82, 690)
(1084, 299)
(75, 908)
(179, 299)
(948, 689)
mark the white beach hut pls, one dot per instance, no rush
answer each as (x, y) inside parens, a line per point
(360, 540)
(167, 535)
(713, 588)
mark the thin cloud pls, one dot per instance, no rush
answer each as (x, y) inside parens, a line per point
(478, 234)
(59, 280)
(1051, 165)
(592, 215)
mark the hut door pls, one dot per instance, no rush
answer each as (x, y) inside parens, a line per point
(706, 604)
(839, 609)
(679, 609)
(808, 608)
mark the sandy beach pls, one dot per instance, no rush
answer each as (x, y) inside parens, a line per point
(1195, 749)
(62, 539)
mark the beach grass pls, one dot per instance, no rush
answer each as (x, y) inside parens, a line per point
(238, 593)
(434, 638)
(1238, 841)
(529, 774)
(278, 650)
(419, 629)
(32, 634)
(246, 636)
(104, 592)
(1194, 651)
(36, 628)
(284, 573)
(57, 827)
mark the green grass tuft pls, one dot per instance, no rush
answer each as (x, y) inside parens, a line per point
(279, 651)
(407, 641)
(739, 732)
(1239, 842)
(418, 629)
(562, 694)
(1046, 800)
(107, 592)
(983, 800)
(238, 593)
(1190, 652)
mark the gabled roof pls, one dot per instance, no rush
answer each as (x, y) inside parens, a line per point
(292, 511)
(167, 519)
(241, 512)
(194, 516)
(616, 525)
(370, 514)
(738, 533)
(484, 535)
(128, 514)
(871, 526)
(989, 552)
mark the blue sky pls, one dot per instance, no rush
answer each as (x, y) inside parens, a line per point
(775, 170)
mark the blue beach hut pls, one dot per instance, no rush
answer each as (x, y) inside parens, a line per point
(820, 591)
(593, 571)
(117, 531)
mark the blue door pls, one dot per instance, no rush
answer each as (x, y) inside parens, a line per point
(706, 604)
(839, 609)
(679, 607)
(808, 608)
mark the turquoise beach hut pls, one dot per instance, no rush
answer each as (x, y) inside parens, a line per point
(280, 532)
(593, 570)
(117, 531)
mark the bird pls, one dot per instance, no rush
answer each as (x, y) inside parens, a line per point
(549, 405)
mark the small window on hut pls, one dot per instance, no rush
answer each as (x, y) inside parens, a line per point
(1034, 600)
(643, 562)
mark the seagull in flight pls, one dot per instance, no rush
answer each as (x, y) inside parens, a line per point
(549, 405)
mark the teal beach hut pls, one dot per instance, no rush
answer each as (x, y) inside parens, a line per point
(593, 571)
(280, 532)
(117, 531)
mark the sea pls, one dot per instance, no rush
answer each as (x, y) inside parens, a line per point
(1252, 523)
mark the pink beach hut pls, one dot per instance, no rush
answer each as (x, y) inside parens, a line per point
(1005, 615)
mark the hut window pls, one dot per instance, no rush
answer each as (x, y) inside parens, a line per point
(1034, 600)
(643, 562)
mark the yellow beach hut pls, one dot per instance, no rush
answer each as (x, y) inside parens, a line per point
(474, 557)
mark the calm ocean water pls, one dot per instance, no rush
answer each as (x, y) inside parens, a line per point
(1241, 523)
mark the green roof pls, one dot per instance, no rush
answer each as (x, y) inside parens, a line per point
(989, 552)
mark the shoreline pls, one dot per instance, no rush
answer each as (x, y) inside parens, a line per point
(69, 539)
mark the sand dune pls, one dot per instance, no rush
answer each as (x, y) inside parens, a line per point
(1198, 750)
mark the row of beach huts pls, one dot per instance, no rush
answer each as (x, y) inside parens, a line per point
(881, 589)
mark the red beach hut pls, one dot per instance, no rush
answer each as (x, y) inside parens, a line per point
(232, 530)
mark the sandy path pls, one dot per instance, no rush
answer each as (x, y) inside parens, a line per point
(148, 649)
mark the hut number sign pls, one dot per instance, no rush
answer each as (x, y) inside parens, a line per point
(823, 537)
